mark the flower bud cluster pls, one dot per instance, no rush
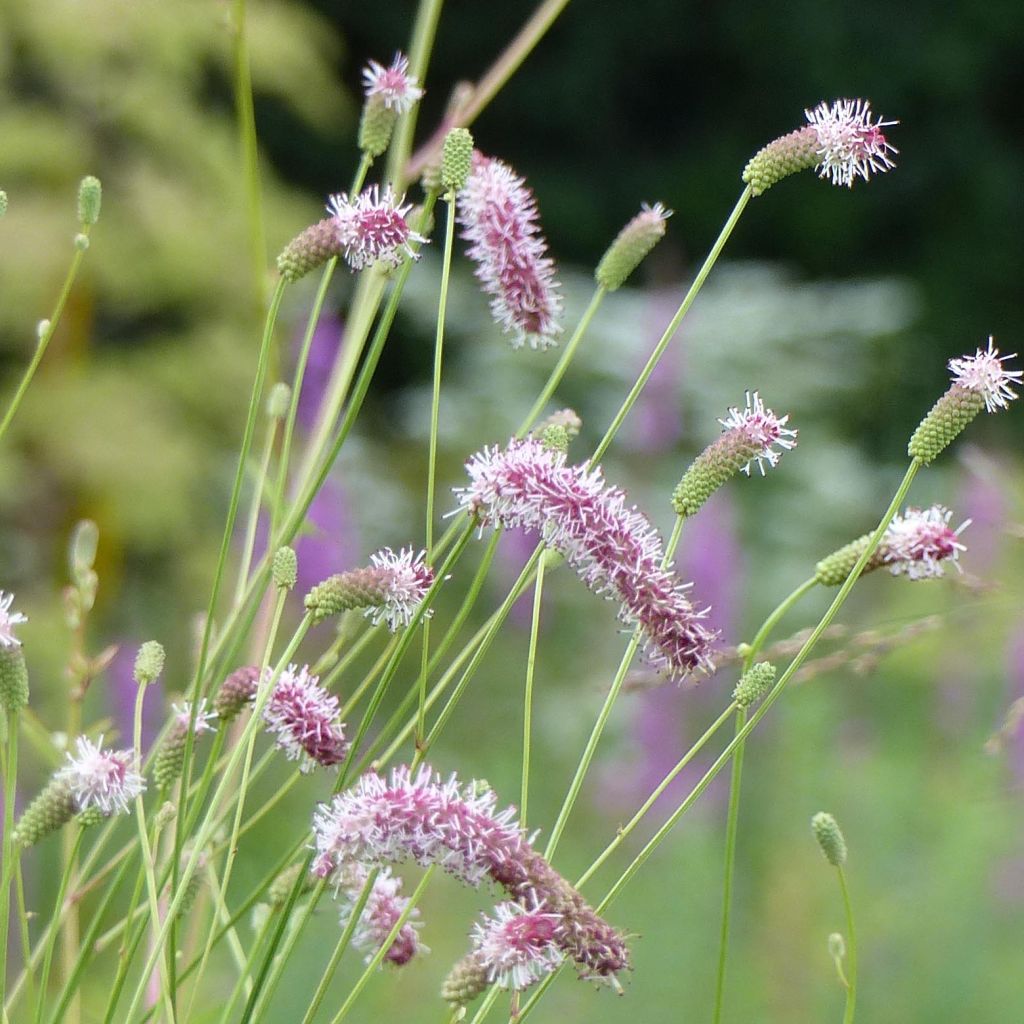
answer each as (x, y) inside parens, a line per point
(631, 246)
(830, 838)
(170, 755)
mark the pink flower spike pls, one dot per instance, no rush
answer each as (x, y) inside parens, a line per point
(304, 718)
(106, 779)
(850, 144)
(384, 906)
(394, 85)
(763, 428)
(985, 374)
(373, 227)
(408, 578)
(918, 542)
(8, 620)
(498, 215)
(518, 946)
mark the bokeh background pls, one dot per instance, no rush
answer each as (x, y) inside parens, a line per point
(841, 307)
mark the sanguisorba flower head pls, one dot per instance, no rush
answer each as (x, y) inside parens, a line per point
(384, 906)
(631, 246)
(397, 89)
(372, 228)
(749, 435)
(419, 816)
(915, 544)
(517, 945)
(304, 719)
(170, 755)
(841, 140)
(107, 779)
(14, 690)
(498, 216)
(390, 589)
(979, 382)
(8, 621)
(612, 546)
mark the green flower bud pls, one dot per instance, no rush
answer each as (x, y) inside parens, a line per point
(830, 839)
(3, 202)
(555, 437)
(51, 809)
(90, 195)
(285, 570)
(631, 246)
(797, 151)
(836, 946)
(13, 678)
(753, 685)
(149, 663)
(566, 418)
(309, 250)
(833, 570)
(456, 159)
(281, 887)
(81, 242)
(90, 816)
(279, 401)
(945, 421)
(376, 125)
(465, 981)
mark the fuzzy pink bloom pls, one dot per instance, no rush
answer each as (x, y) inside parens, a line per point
(394, 85)
(304, 718)
(373, 227)
(384, 906)
(518, 946)
(183, 716)
(8, 620)
(498, 215)
(918, 542)
(106, 779)
(984, 373)
(420, 816)
(613, 547)
(850, 144)
(762, 427)
(408, 578)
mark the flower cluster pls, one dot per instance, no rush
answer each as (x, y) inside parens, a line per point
(8, 620)
(372, 227)
(613, 547)
(106, 779)
(518, 945)
(384, 906)
(395, 87)
(381, 821)
(304, 718)
(498, 215)
(391, 589)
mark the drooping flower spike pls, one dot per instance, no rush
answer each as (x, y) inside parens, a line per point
(841, 140)
(498, 216)
(979, 382)
(613, 547)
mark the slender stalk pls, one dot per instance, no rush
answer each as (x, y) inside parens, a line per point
(531, 662)
(7, 859)
(52, 939)
(851, 974)
(258, 491)
(44, 339)
(26, 941)
(435, 410)
(698, 282)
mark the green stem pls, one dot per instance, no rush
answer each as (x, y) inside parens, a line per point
(673, 326)
(780, 610)
(851, 988)
(44, 341)
(531, 662)
(568, 353)
(7, 859)
(258, 491)
(606, 709)
(52, 939)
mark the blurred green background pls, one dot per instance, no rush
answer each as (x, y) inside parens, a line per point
(841, 307)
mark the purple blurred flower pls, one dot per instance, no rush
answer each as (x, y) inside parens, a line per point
(323, 351)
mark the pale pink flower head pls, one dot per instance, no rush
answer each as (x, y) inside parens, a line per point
(183, 716)
(384, 906)
(8, 620)
(498, 215)
(850, 144)
(762, 427)
(917, 543)
(373, 228)
(303, 716)
(106, 779)
(397, 89)
(985, 374)
(408, 578)
(518, 946)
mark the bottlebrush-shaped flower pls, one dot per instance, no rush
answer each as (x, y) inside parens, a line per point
(303, 716)
(841, 141)
(373, 228)
(518, 946)
(384, 906)
(391, 589)
(613, 547)
(8, 620)
(395, 87)
(498, 215)
(106, 779)
(382, 821)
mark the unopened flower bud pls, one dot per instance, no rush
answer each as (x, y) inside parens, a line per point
(170, 756)
(281, 887)
(42, 328)
(979, 382)
(81, 242)
(165, 815)
(90, 195)
(52, 808)
(13, 678)
(3, 202)
(279, 400)
(193, 885)
(836, 946)
(285, 568)
(376, 126)
(753, 685)
(456, 159)
(309, 250)
(237, 690)
(830, 839)
(555, 437)
(149, 663)
(631, 246)
(567, 418)
(90, 816)
(465, 981)
(832, 570)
